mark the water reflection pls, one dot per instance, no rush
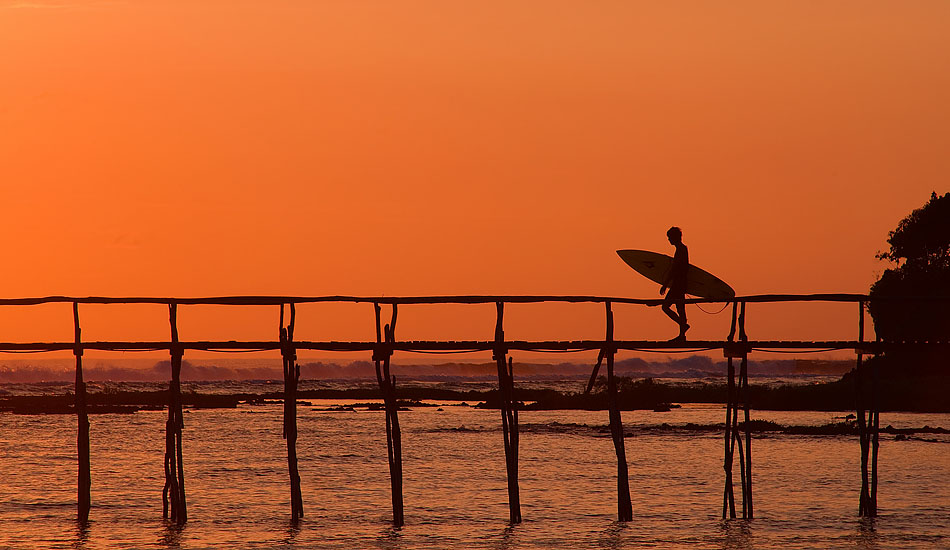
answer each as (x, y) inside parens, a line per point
(290, 535)
(612, 537)
(171, 535)
(82, 535)
(508, 539)
(390, 539)
(866, 537)
(737, 534)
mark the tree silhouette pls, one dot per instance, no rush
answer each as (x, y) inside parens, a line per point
(920, 251)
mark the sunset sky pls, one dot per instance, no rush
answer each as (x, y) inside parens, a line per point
(201, 148)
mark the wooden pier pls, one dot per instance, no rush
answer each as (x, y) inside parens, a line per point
(736, 346)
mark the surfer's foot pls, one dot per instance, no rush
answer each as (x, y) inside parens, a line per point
(680, 338)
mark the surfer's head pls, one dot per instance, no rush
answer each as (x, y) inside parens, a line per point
(674, 234)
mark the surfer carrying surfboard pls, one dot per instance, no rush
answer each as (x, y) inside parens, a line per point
(679, 277)
(675, 284)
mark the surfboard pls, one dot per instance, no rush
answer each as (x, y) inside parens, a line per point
(656, 267)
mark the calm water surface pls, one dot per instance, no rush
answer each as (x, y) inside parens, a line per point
(806, 488)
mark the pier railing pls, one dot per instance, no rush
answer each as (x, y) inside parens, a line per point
(729, 342)
(736, 345)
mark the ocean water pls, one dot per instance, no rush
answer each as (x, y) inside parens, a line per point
(806, 487)
(557, 381)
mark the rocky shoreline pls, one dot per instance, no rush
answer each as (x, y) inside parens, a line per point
(896, 394)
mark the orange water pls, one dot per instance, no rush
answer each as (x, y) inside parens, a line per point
(806, 488)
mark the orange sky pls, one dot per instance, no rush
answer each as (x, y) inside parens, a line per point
(196, 148)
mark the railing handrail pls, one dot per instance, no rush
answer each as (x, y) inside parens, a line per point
(262, 300)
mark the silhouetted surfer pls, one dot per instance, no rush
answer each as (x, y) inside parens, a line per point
(676, 283)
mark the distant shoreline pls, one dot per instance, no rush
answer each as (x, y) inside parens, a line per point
(908, 395)
(694, 366)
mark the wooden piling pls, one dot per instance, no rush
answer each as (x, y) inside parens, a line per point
(731, 433)
(728, 496)
(737, 395)
(291, 379)
(747, 509)
(737, 446)
(743, 337)
(174, 490)
(170, 492)
(84, 482)
(624, 507)
(593, 374)
(387, 385)
(864, 498)
(874, 417)
(742, 395)
(868, 425)
(509, 415)
(875, 432)
(732, 326)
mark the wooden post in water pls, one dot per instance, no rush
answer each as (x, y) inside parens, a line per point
(864, 498)
(387, 385)
(743, 394)
(291, 378)
(875, 430)
(84, 482)
(728, 497)
(624, 507)
(873, 420)
(867, 429)
(730, 435)
(174, 491)
(509, 415)
(737, 443)
(736, 397)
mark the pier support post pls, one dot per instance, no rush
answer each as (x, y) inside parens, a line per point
(875, 431)
(174, 491)
(291, 378)
(868, 426)
(743, 397)
(736, 398)
(864, 498)
(387, 385)
(728, 496)
(737, 395)
(624, 507)
(84, 482)
(509, 415)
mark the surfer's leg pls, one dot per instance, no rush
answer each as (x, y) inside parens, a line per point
(668, 310)
(681, 309)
